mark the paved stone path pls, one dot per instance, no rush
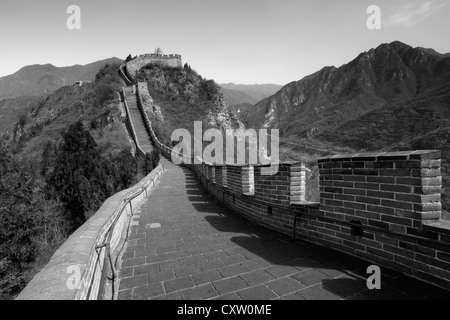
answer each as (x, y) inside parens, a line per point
(184, 245)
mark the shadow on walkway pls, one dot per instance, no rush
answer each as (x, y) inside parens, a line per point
(316, 261)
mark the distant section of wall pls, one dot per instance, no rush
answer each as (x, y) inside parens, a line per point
(129, 123)
(133, 66)
(123, 74)
(79, 268)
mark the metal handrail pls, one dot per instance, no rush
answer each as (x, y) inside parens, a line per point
(108, 235)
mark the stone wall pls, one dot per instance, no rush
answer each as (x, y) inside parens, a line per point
(133, 66)
(129, 124)
(381, 207)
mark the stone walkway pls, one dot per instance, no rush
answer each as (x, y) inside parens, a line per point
(184, 245)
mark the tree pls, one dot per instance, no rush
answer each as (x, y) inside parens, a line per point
(16, 210)
(155, 157)
(158, 51)
(129, 58)
(208, 90)
(125, 168)
(23, 119)
(80, 177)
(19, 209)
(151, 161)
(48, 158)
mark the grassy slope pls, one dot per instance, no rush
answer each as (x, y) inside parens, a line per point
(96, 104)
(12, 109)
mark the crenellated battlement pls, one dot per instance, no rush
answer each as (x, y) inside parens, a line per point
(138, 62)
(158, 56)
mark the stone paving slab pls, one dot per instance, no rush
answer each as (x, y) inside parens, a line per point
(185, 245)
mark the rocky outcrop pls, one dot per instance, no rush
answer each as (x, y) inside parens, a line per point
(220, 117)
(332, 96)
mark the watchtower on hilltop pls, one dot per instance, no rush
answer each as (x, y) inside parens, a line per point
(138, 62)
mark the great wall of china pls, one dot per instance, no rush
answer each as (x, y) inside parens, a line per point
(134, 65)
(382, 207)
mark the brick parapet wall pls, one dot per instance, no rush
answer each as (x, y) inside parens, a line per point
(396, 197)
(390, 190)
(404, 233)
(221, 175)
(268, 205)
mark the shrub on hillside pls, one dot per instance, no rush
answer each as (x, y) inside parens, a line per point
(48, 158)
(18, 216)
(183, 95)
(80, 176)
(151, 161)
(104, 93)
(155, 158)
(23, 119)
(125, 169)
(108, 74)
(31, 229)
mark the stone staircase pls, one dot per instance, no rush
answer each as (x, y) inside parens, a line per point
(136, 118)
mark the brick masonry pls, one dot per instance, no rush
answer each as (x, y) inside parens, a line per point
(392, 198)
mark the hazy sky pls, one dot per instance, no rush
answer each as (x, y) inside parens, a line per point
(241, 41)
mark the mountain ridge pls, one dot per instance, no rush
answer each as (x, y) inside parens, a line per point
(40, 79)
(432, 51)
(390, 98)
(238, 94)
(390, 72)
